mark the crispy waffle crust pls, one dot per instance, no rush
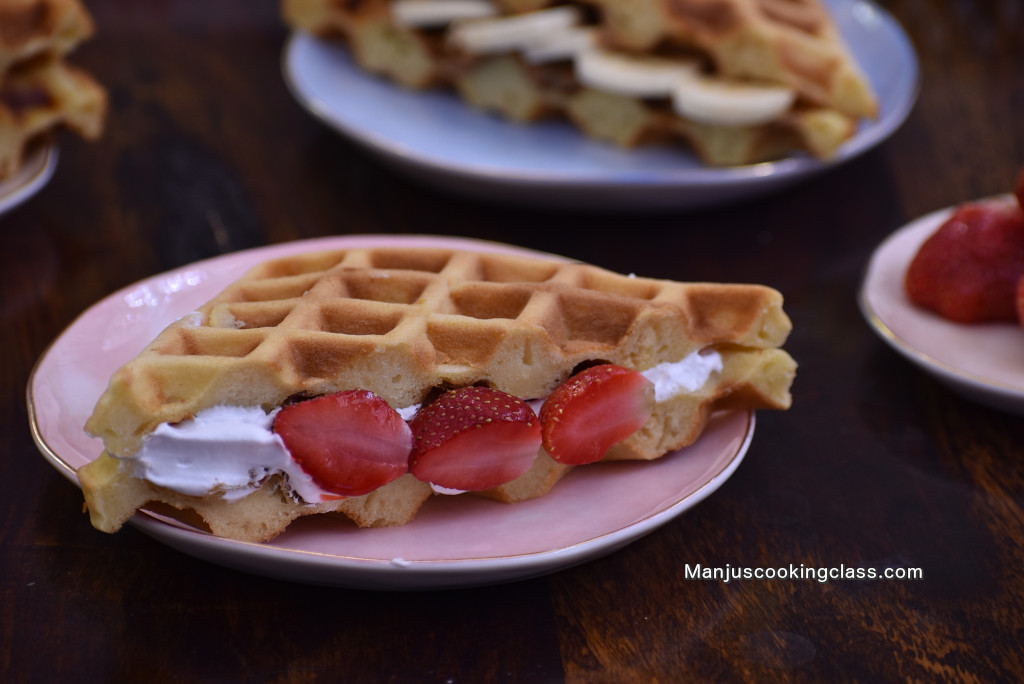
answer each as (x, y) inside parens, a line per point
(39, 90)
(404, 322)
(793, 43)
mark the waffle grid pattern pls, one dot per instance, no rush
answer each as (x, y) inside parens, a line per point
(402, 322)
(466, 304)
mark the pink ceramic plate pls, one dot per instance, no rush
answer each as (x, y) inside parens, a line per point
(454, 541)
(982, 362)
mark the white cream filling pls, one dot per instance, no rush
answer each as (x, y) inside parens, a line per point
(229, 449)
(232, 449)
(689, 375)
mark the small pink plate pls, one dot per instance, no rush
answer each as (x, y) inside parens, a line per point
(984, 363)
(454, 541)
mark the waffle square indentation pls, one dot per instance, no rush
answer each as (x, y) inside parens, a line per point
(224, 342)
(496, 269)
(483, 301)
(382, 287)
(595, 318)
(427, 260)
(341, 318)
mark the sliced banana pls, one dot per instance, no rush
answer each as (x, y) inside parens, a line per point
(505, 34)
(439, 13)
(561, 44)
(725, 103)
(631, 75)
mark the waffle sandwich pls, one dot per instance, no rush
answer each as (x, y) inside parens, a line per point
(739, 81)
(39, 90)
(404, 324)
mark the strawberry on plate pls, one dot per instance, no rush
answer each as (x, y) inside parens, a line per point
(350, 443)
(968, 270)
(594, 410)
(474, 438)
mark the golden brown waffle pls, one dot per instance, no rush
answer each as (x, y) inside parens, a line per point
(39, 90)
(523, 92)
(41, 95)
(29, 28)
(403, 322)
(790, 42)
(794, 42)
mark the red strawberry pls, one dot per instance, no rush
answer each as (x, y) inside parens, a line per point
(474, 438)
(968, 270)
(350, 443)
(594, 410)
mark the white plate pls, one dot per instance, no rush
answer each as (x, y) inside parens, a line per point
(435, 137)
(454, 541)
(34, 173)
(984, 362)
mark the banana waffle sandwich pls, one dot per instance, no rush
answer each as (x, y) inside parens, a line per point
(364, 381)
(39, 90)
(740, 81)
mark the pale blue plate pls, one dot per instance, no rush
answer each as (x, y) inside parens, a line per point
(434, 136)
(35, 172)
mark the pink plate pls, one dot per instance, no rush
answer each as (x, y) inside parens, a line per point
(454, 541)
(983, 362)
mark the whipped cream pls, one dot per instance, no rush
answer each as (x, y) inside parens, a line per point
(679, 377)
(232, 449)
(229, 449)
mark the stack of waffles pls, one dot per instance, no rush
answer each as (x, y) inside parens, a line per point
(739, 81)
(39, 90)
(404, 323)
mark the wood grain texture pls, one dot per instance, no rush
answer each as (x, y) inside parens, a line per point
(877, 465)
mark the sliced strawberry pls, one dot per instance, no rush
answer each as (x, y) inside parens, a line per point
(350, 443)
(594, 410)
(474, 438)
(968, 270)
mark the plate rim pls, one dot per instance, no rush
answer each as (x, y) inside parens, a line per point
(748, 177)
(38, 168)
(377, 573)
(920, 229)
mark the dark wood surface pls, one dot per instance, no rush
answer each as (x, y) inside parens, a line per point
(877, 465)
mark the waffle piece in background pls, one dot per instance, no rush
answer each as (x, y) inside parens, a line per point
(792, 42)
(39, 90)
(41, 95)
(739, 81)
(402, 323)
(36, 27)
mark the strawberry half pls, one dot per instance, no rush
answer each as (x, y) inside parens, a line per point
(968, 270)
(594, 410)
(350, 443)
(474, 438)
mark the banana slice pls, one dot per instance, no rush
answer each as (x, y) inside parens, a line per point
(558, 45)
(505, 34)
(437, 13)
(630, 75)
(711, 101)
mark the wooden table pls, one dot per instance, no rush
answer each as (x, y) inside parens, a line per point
(876, 465)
